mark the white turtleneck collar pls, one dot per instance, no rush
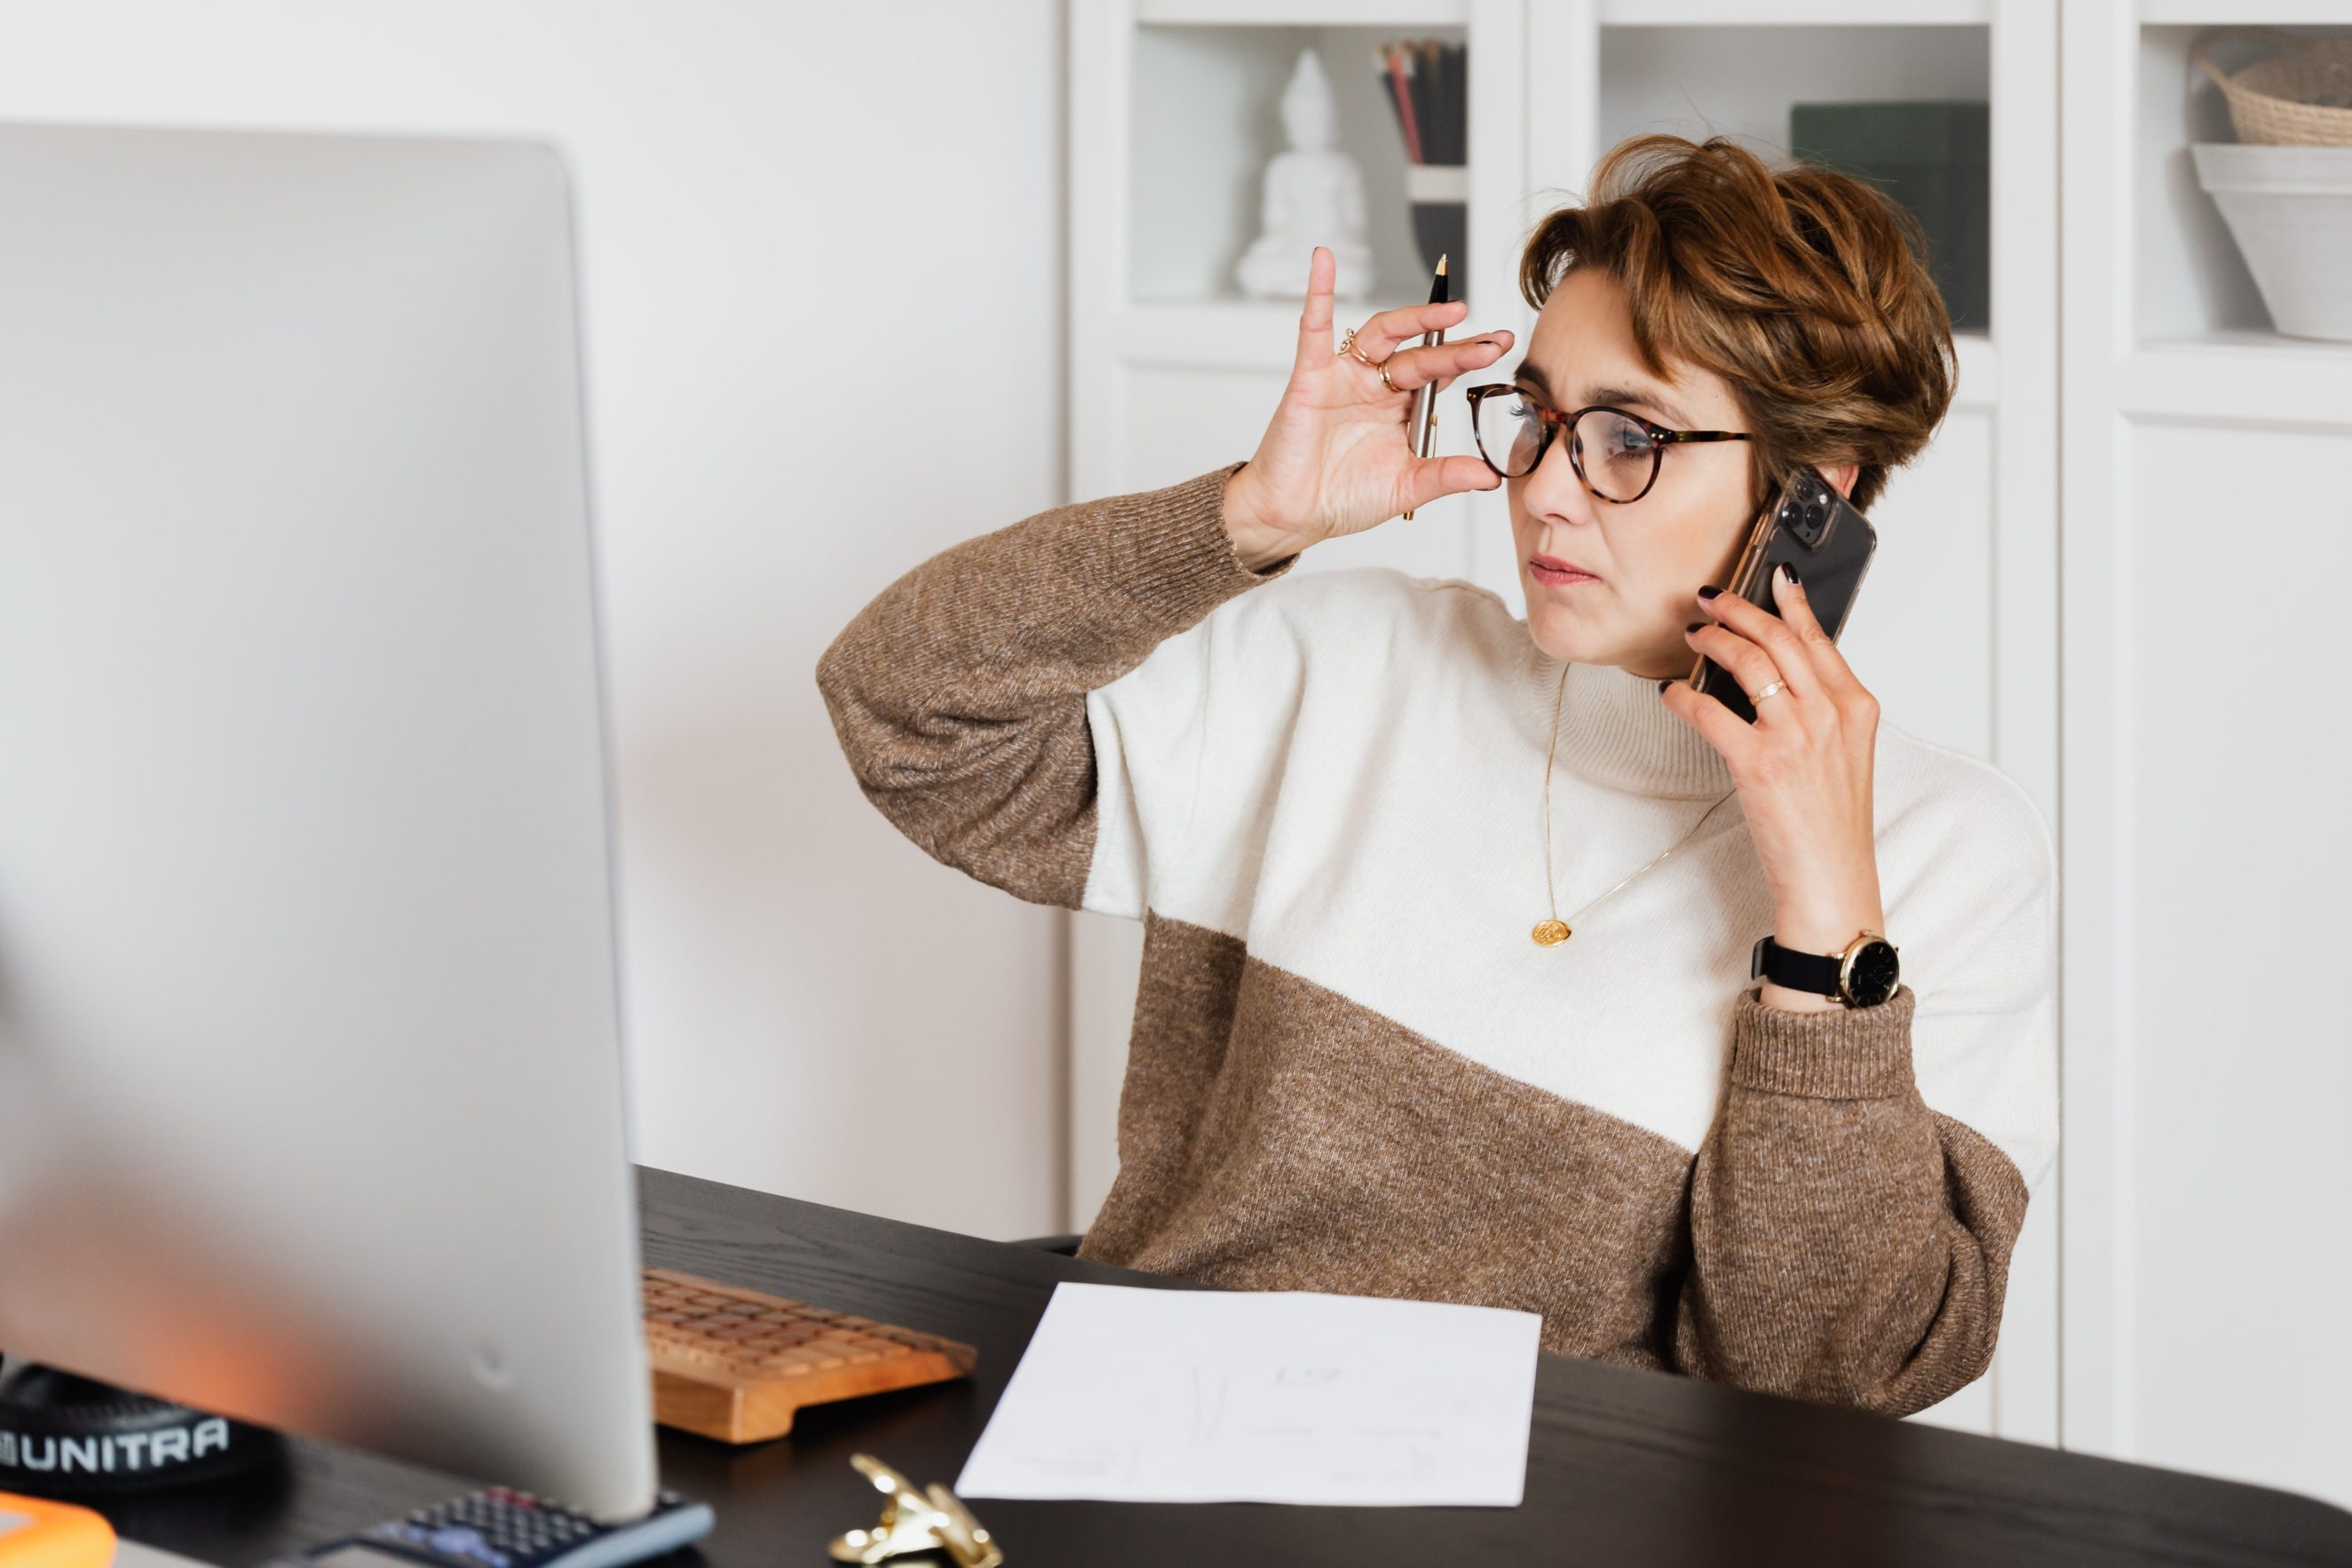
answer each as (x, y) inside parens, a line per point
(1614, 731)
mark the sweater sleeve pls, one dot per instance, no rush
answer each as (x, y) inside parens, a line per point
(1850, 1241)
(960, 694)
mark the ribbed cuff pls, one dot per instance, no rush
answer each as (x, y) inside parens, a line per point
(1178, 545)
(1841, 1053)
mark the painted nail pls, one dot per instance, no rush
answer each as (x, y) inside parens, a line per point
(1709, 591)
(1666, 682)
(1694, 625)
(1789, 572)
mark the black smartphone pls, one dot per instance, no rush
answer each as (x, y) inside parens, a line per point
(1815, 529)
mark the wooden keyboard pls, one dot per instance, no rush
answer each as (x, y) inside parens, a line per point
(734, 1365)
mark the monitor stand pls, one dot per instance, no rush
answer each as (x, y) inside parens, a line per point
(65, 1435)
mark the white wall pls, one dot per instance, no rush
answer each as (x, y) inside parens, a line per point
(784, 208)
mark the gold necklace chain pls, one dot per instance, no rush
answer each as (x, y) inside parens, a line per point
(1555, 930)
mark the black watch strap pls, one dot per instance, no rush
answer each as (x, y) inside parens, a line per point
(1814, 971)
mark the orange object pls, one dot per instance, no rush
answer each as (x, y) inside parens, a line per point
(734, 1363)
(38, 1533)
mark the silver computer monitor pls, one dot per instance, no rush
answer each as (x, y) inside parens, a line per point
(311, 1085)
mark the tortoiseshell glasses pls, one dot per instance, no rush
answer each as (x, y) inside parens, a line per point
(1615, 453)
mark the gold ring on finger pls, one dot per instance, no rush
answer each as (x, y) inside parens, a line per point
(1770, 688)
(1350, 346)
(1383, 368)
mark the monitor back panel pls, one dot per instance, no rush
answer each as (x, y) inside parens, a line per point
(311, 1093)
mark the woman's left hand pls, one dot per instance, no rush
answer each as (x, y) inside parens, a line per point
(1803, 768)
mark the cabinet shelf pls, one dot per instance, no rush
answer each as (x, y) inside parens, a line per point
(1748, 74)
(2191, 287)
(1979, 363)
(1303, 13)
(2239, 377)
(1241, 334)
(1205, 119)
(2249, 13)
(1790, 13)
(1246, 335)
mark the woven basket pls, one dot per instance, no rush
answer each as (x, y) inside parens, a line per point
(2301, 97)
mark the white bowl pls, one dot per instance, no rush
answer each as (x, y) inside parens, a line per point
(2290, 210)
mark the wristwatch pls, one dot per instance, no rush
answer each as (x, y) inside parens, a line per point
(1863, 975)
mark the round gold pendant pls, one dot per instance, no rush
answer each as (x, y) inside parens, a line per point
(1550, 934)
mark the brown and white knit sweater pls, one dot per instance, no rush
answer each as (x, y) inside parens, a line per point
(1351, 1070)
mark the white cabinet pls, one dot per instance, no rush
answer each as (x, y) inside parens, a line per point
(2207, 1056)
(2206, 1268)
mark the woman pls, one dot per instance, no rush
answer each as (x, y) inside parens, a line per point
(1351, 1070)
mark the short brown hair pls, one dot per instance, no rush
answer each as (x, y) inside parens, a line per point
(1804, 289)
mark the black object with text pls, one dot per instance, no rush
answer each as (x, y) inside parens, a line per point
(499, 1528)
(1817, 531)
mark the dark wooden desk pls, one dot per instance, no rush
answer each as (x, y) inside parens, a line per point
(1625, 1467)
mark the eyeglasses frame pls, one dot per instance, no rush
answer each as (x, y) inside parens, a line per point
(1554, 422)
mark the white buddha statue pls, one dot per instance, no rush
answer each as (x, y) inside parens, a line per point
(1314, 195)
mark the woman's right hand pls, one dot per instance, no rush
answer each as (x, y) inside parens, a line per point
(1337, 458)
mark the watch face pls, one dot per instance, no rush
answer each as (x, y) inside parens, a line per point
(1874, 974)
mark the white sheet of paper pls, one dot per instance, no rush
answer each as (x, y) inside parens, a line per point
(1130, 1395)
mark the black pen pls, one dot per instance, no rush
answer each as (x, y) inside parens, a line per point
(1424, 425)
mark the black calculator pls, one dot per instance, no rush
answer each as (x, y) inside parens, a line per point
(496, 1528)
